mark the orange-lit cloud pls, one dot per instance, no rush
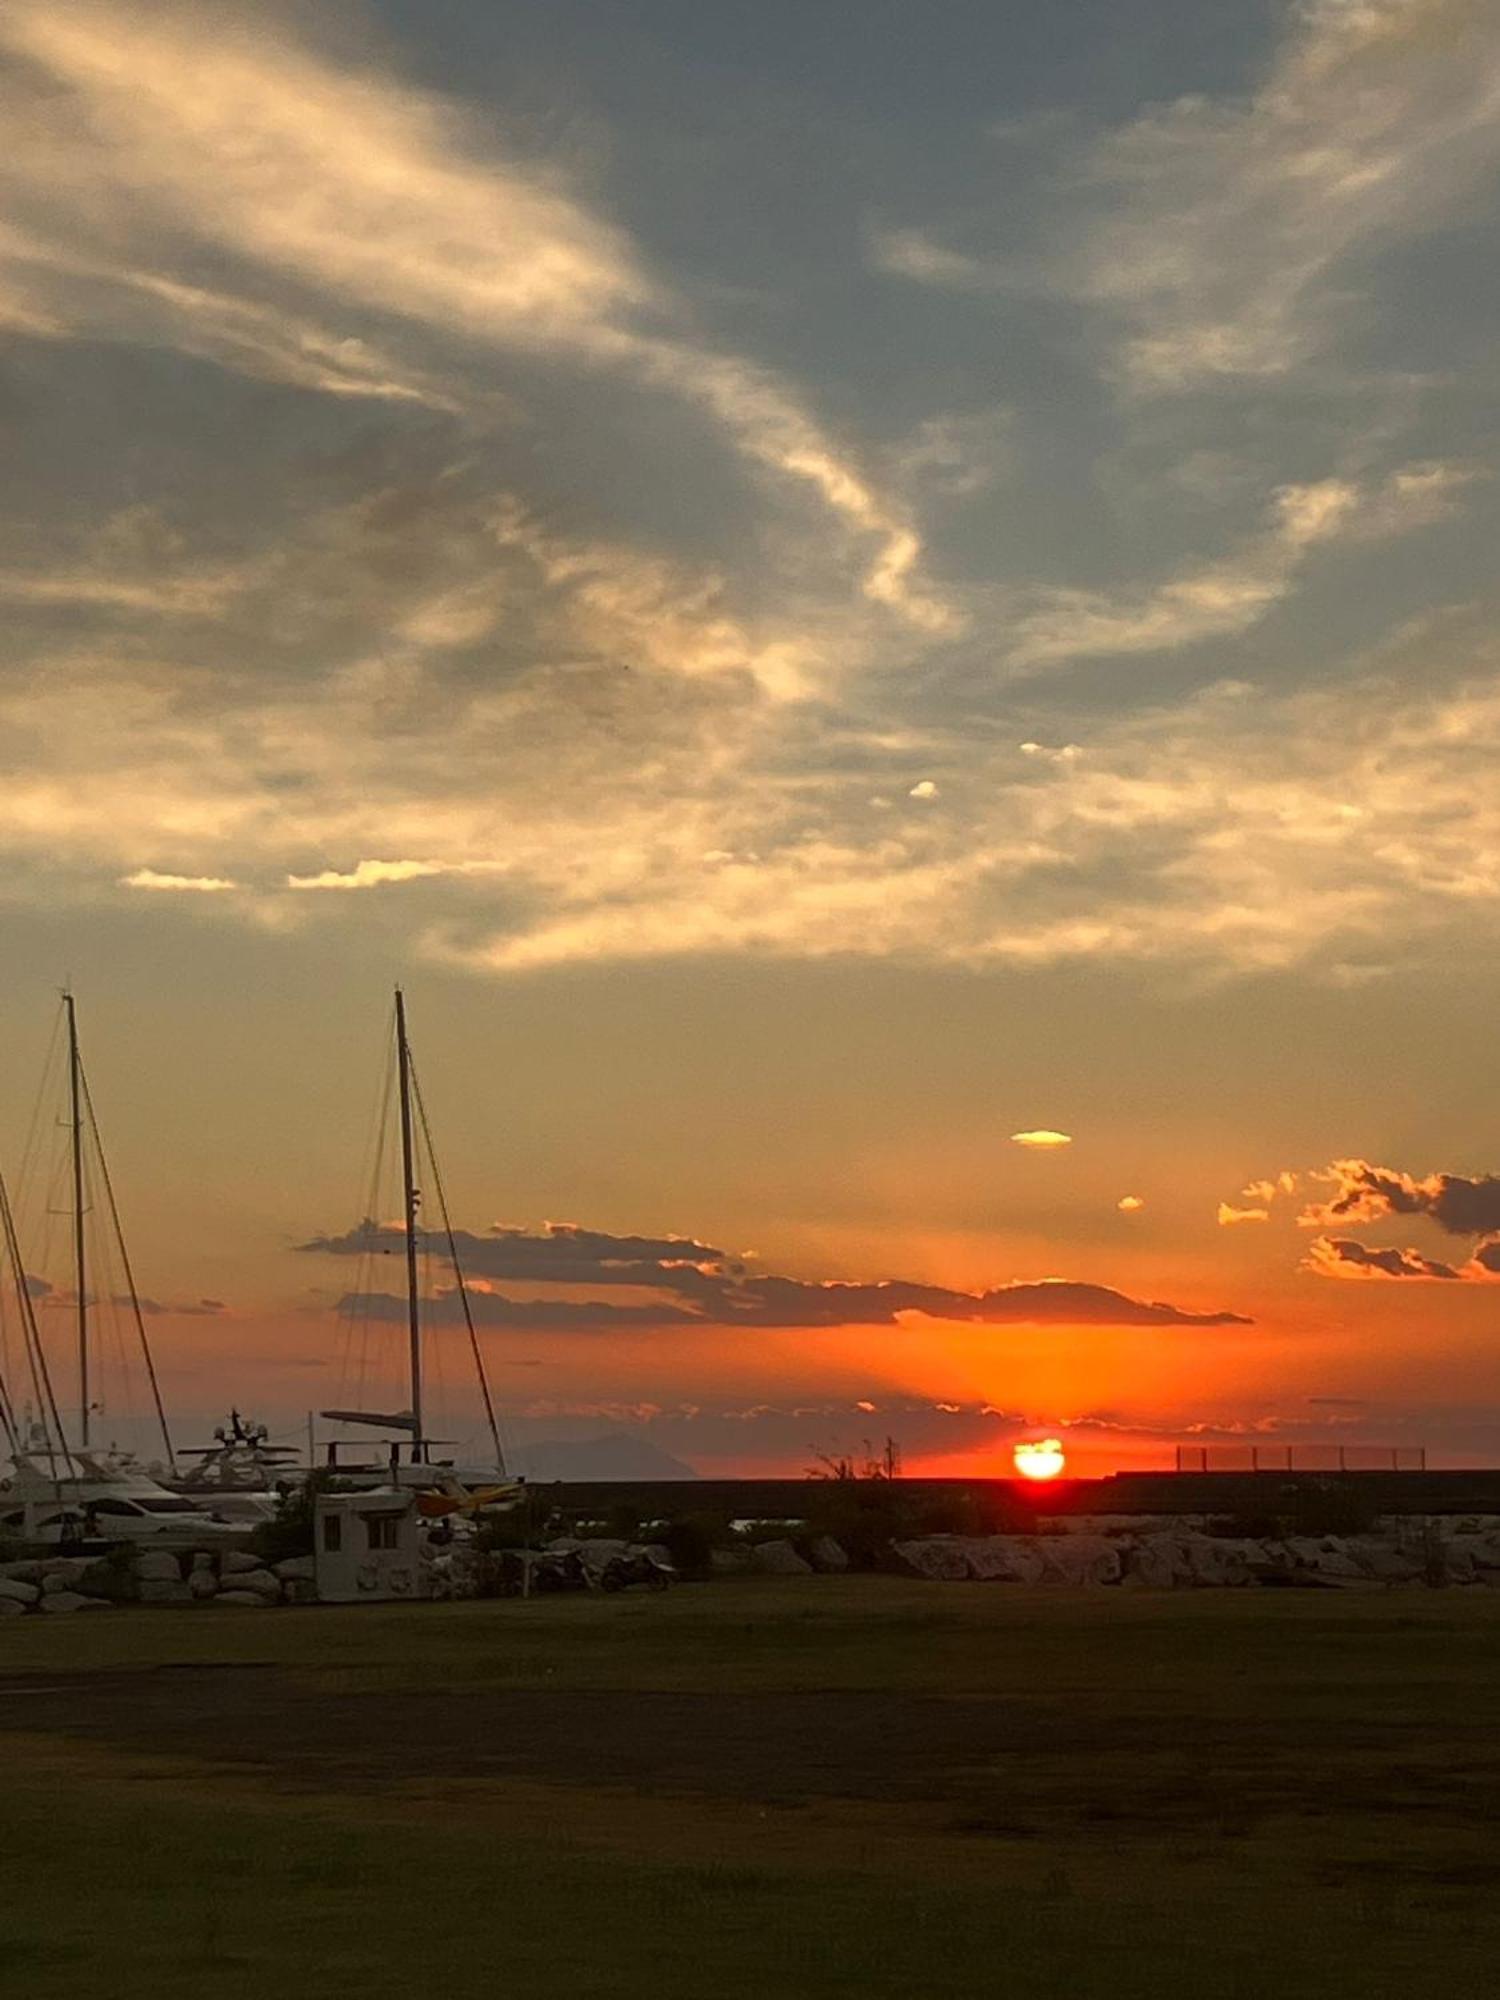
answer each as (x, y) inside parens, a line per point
(696, 1284)
(1231, 1217)
(1042, 1141)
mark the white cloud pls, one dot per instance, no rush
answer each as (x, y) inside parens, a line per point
(1042, 1141)
(150, 878)
(1230, 227)
(1224, 598)
(366, 875)
(166, 133)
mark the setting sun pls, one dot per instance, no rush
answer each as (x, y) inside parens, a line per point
(1042, 1459)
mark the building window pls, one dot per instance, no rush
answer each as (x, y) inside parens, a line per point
(383, 1530)
(333, 1534)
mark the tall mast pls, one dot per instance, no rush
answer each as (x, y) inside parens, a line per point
(80, 1272)
(412, 1199)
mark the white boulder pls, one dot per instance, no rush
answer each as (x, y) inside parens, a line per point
(69, 1600)
(238, 1562)
(261, 1581)
(940, 1558)
(778, 1559)
(827, 1556)
(14, 1591)
(157, 1566)
(1079, 1559)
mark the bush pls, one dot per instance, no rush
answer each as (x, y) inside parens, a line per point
(691, 1539)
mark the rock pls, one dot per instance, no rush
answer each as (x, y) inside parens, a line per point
(202, 1584)
(301, 1590)
(296, 1569)
(12, 1607)
(57, 1580)
(14, 1591)
(729, 1562)
(22, 1572)
(1384, 1561)
(252, 1598)
(261, 1581)
(71, 1600)
(1214, 1562)
(1079, 1559)
(155, 1591)
(1159, 1562)
(826, 1556)
(238, 1562)
(202, 1560)
(940, 1558)
(778, 1559)
(62, 1572)
(1002, 1558)
(600, 1551)
(157, 1566)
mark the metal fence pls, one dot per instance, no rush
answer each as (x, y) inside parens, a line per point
(1301, 1458)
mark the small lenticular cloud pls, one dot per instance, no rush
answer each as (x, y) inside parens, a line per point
(202, 885)
(1042, 1141)
(1130, 1204)
(366, 875)
(1229, 1217)
(925, 789)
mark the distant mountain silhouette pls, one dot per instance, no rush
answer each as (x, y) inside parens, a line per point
(616, 1455)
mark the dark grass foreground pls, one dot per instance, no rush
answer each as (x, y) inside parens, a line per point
(856, 1786)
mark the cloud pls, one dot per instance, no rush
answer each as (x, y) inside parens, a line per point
(703, 1286)
(151, 878)
(1266, 1191)
(161, 140)
(1341, 1257)
(179, 1308)
(1130, 1204)
(1234, 238)
(604, 742)
(923, 789)
(1041, 1141)
(1227, 597)
(1461, 1205)
(911, 253)
(366, 875)
(1231, 1217)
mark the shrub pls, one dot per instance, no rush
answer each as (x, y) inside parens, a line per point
(691, 1539)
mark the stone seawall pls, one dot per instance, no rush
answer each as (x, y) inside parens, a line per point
(59, 1585)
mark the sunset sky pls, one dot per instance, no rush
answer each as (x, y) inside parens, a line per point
(844, 593)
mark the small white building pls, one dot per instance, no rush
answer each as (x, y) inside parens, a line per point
(367, 1547)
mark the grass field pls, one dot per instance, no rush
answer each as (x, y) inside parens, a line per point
(809, 1787)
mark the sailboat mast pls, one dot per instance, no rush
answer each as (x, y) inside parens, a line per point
(80, 1272)
(412, 1199)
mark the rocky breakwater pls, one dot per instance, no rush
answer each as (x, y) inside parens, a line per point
(56, 1585)
(1169, 1557)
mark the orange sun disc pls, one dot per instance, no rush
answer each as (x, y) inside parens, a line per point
(1041, 1459)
